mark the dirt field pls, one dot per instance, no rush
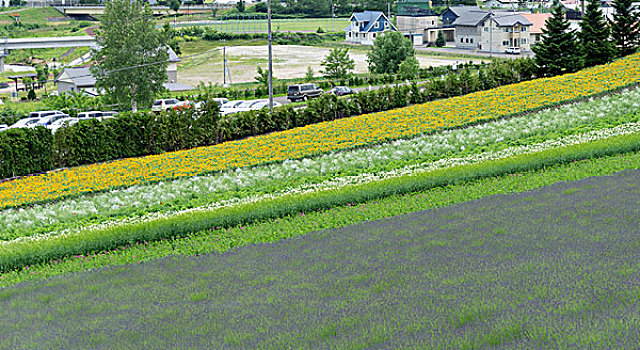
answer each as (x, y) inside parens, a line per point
(288, 62)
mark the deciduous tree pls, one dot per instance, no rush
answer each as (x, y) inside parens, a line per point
(131, 60)
(389, 50)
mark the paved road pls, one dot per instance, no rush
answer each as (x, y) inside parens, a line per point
(453, 50)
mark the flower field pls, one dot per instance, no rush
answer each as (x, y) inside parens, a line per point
(324, 137)
(244, 244)
(499, 138)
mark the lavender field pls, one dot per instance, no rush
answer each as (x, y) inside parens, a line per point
(556, 267)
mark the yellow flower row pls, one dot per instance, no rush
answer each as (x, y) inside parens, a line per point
(323, 137)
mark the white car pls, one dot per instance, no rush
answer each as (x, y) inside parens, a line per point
(264, 104)
(63, 122)
(48, 120)
(513, 50)
(90, 114)
(24, 122)
(230, 106)
(166, 103)
(4, 127)
(40, 114)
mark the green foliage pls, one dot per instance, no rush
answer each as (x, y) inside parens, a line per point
(338, 64)
(34, 252)
(132, 60)
(558, 52)
(625, 27)
(409, 68)
(263, 77)
(308, 76)
(320, 30)
(31, 96)
(25, 151)
(174, 5)
(440, 42)
(389, 50)
(240, 6)
(594, 37)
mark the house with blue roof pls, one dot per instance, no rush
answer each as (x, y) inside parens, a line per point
(366, 26)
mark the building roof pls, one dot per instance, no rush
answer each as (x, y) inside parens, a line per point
(471, 18)
(172, 55)
(537, 20)
(463, 10)
(80, 76)
(511, 20)
(369, 17)
(366, 16)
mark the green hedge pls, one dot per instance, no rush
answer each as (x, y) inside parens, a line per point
(25, 151)
(146, 133)
(18, 255)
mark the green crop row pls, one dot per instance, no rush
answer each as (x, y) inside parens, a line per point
(19, 254)
(220, 240)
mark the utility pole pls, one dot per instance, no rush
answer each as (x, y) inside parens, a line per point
(270, 56)
(490, 34)
(333, 16)
(225, 69)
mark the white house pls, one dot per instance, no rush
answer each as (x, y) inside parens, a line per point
(366, 26)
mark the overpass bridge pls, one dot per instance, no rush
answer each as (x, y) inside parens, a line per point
(6, 44)
(84, 10)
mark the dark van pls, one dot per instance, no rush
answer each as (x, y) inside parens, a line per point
(303, 92)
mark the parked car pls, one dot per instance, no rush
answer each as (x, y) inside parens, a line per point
(303, 92)
(513, 50)
(341, 91)
(220, 100)
(229, 106)
(166, 103)
(4, 85)
(40, 114)
(48, 120)
(4, 127)
(62, 122)
(108, 114)
(264, 104)
(90, 114)
(24, 122)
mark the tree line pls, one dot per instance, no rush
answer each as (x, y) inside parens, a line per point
(599, 40)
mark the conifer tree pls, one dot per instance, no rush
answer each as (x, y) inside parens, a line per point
(595, 44)
(625, 27)
(557, 53)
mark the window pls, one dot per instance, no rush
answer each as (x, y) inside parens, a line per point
(524, 29)
(524, 41)
(377, 25)
(486, 29)
(505, 43)
(461, 40)
(506, 30)
(471, 40)
(374, 35)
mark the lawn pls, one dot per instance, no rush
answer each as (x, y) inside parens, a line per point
(551, 268)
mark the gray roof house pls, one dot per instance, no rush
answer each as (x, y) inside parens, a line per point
(81, 79)
(497, 32)
(366, 26)
(76, 79)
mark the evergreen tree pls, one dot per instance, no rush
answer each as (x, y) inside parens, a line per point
(338, 64)
(625, 27)
(440, 42)
(594, 37)
(557, 53)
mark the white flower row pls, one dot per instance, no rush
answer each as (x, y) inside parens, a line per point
(353, 162)
(339, 182)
